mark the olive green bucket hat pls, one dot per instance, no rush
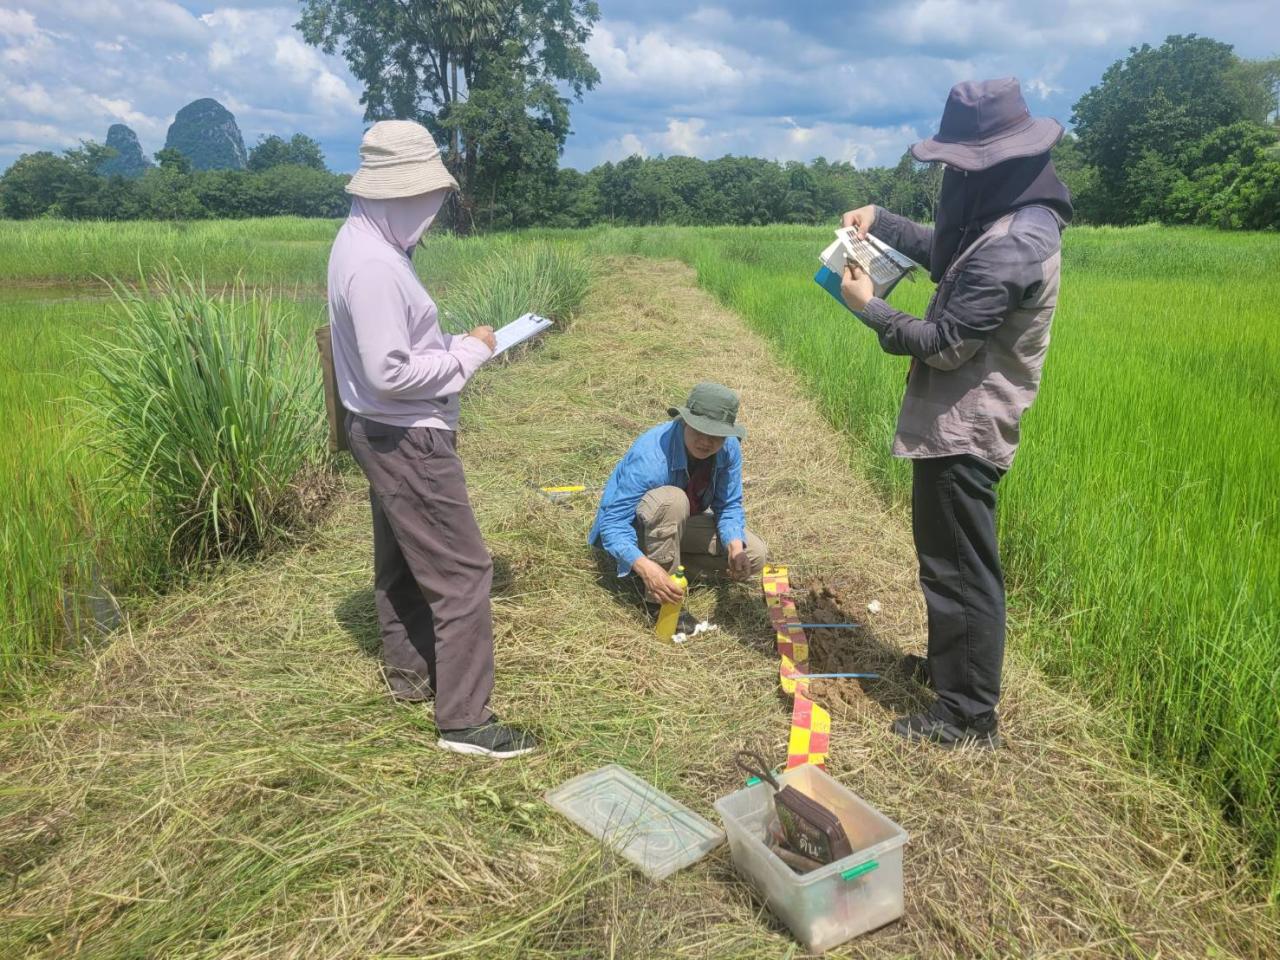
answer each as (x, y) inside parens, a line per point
(711, 409)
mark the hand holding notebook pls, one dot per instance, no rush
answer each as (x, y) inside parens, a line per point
(885, 265)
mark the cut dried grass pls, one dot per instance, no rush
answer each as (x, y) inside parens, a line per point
(232, 781)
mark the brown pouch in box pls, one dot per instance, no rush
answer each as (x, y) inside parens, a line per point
(809, 828)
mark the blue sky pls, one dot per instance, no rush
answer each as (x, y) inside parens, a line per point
(789, 80)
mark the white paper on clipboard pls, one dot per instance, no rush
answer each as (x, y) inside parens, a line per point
(518, 331)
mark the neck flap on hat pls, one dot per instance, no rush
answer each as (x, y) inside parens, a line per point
(970, 201)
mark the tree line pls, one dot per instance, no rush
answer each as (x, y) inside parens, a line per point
(1181, 133)
(283, 177)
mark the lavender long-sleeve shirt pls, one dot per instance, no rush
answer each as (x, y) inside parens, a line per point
(393, 362)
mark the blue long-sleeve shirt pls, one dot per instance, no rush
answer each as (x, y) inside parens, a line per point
(658, 458)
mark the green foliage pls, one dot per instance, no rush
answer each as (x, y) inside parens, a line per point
(298, 151)
(1234, 183)
(517, 127)
(1081, 179)
(206, 410)
(45, 185)
(194, 426)
(426, 59)
(173, 160)
(730, 190)
(518, 278)
(1135, 127)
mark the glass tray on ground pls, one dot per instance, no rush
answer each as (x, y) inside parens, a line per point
(656, 833)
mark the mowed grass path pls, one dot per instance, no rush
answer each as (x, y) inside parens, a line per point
(230, 780)
(1141, 520)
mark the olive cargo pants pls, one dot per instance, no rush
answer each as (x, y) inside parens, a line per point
(670, 537)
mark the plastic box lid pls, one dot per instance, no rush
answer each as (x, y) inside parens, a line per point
(656, 833)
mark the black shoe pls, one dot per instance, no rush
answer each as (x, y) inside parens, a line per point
(917, 669)
(490, 739)
(931, 728)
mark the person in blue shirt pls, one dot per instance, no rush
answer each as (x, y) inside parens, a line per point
(675, 500)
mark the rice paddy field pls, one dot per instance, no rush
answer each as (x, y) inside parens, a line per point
(1140, 524)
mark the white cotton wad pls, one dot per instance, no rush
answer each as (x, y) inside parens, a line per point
(402, 221)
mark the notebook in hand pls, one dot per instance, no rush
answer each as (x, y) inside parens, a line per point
(518, 331)
(885, 265)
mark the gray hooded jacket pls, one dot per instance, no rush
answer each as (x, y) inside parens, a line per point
(979, 350)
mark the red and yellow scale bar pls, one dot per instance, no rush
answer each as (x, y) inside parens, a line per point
(810, 724)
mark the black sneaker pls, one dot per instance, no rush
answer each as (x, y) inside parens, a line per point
(931, 728)
(917, 669)
(490, 739)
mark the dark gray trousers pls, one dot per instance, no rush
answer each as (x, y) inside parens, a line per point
(431, 571)
(953, 518)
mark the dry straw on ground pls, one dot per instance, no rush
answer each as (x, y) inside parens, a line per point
(231, 781)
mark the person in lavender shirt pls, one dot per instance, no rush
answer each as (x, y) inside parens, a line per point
(399, 376)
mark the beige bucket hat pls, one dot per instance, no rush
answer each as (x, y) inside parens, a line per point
(398, 158)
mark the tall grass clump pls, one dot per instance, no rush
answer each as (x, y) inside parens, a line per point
(210, 411)
(508, 281)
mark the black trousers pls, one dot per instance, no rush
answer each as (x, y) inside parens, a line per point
(953, 519)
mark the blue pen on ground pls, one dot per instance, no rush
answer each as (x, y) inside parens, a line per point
(834, 676)
(825, 626)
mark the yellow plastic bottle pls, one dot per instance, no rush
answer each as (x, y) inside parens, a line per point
(669, 613)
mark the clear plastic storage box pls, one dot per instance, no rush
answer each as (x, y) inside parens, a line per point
(834, 903)
(656, 833)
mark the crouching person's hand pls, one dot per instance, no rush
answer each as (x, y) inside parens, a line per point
(739, 562)
(657, 581)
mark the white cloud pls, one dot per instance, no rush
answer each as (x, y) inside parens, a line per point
(863, 146)
(1010, 26)
(776, 138)
(122, 110)
(67, 72)
(686, 137)
(651, 62)
(45, 136)
(17, 23)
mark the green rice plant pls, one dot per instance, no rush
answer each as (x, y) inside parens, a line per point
(280, 251)
(210, 411)
(508, 280)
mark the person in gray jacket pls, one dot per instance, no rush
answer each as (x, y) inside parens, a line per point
(977, 353)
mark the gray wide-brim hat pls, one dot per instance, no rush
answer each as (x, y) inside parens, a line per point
(399, 158)
(986, 122)
(711, 409)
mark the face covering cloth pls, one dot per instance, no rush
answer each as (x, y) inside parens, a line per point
(970, 201)
(402, 221)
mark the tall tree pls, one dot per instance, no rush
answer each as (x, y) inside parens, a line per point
(424, 59)
(298, 151)
(1151, 104)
